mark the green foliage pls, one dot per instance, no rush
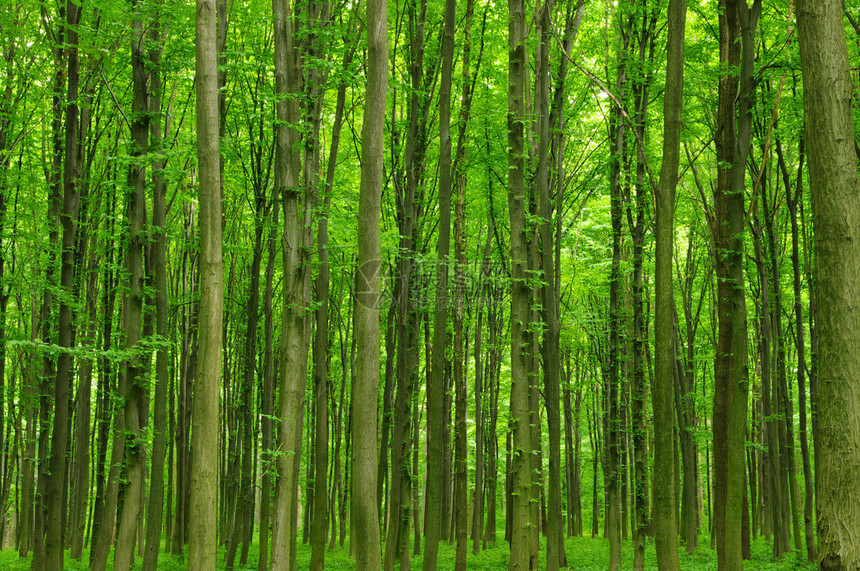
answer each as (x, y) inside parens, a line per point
(583, 554)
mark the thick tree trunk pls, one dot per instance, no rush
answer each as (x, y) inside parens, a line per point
(365, 517)
(202, 515)
(835, 194)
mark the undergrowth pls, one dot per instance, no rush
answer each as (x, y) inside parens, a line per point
(583, 553)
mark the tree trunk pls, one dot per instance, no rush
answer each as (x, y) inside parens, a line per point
(365, 517)
(835, 194)
(56, 488)
(459, 168)
(407, 185)
(154, 510)
(435, 391)
(202, 515)
(800, 344)
(133, 305)
(773, 490)
(737, 29)
(296, 289)
(612, 378)
(521, 296)
(267, 399)
(323, 506)
(645, 34)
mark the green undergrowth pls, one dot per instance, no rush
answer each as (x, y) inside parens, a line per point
(583, 553)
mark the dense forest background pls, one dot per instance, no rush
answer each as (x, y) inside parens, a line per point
(372, 278)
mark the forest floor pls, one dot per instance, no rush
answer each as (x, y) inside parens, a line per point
(583, 553)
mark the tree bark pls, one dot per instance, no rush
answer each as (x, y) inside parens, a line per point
(792, 199)
(56, 488)
(296, 290)
(836, 203)
(155, 507)
(435, 391)
(133, 304)
(460, 358)
(521, 296)
(737, 29)
(202, 516)
(365, 517)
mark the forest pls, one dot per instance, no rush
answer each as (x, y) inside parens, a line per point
(359, 284)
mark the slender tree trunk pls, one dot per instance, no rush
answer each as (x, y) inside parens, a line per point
(773, 491)
(407, 184)
(800, 344)
(322, 505)
(737, 29)
(548, 118)
(56, 488)
(106, 483)
(835, 193)
(521, 295)
(460, 459)
(788, 478)
(267, 404)
(685, 403)
(612, 379)
(494, 317)
(293, 346)
(83, 417)
(645, 33)
(133, 304)
(460, 359)
(54, 179)
(478, 493)
(155, 507)
(435, 392)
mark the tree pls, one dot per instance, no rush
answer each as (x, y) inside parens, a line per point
(365, 390)
(665, 514)
(436, 382)
(521, 295)
(155, 507)
(737, 28)
(836, 207)
(204, 431)
(296, 204)
(56, 489)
